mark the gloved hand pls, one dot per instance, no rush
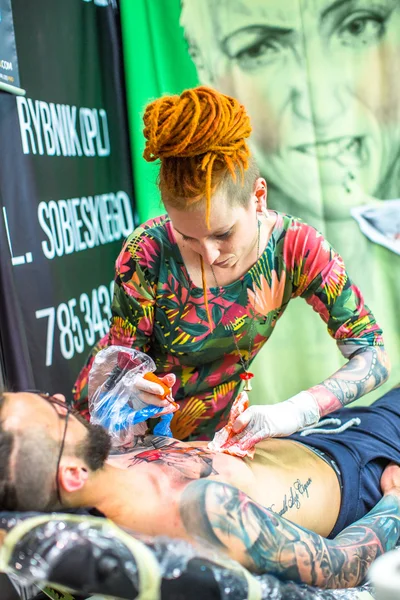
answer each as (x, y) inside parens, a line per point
(149, 392)
(125, 393)
(257, 423)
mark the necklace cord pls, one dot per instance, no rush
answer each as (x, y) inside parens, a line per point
(204, 284)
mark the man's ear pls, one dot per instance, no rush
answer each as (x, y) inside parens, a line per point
(72, 476)
(260, 194)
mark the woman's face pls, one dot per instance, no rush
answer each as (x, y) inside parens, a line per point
(233, 231)
(320, 80)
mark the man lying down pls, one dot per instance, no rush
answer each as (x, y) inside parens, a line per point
(272, 514)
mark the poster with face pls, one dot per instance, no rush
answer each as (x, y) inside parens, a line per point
(320, 81)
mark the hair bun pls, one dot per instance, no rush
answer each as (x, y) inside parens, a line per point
(199, 121)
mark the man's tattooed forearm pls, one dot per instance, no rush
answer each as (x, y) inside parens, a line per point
(268, 543)
(297, 493)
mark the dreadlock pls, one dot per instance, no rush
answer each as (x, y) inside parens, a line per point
(200, 138)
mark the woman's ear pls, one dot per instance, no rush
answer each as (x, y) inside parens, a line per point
(260, 194)
(72, 476)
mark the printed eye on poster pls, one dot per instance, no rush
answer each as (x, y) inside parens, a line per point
(9, 75)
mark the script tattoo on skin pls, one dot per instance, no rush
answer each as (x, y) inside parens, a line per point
(367, 368)
(267, 543)
(297, 493)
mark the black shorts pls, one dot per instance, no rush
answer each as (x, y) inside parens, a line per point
(361, 453)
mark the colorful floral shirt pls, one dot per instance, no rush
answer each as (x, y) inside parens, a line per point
(157, 309)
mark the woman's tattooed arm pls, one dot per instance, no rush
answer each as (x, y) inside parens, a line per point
(368, 367)
(266, 543)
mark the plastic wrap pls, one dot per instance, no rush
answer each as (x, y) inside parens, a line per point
(89, 555)
(385, 575)
(114, 400)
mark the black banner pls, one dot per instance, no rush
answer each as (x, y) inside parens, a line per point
(65, 189)
(9, 75)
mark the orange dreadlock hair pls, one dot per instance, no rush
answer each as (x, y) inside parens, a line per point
(199, 137)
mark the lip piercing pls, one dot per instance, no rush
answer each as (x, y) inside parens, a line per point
(350, 177)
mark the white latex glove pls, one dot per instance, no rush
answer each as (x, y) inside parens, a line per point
(149, 392)
(278, 420)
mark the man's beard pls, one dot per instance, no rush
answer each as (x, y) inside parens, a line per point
(96, 446)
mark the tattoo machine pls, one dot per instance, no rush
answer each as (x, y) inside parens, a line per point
(114, 399)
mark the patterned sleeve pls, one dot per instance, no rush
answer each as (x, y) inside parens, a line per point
(319, 276)
(132, 309)
(134, 294)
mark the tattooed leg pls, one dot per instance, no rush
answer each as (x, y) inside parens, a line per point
(267, 543)
(367, 368)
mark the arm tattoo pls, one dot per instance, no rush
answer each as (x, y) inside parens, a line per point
(366, 370)
(267, 543)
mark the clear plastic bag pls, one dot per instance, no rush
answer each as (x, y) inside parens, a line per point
(116, 563)
(114, 401)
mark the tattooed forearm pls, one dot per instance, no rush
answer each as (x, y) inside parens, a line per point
(267, 543)
(366, 370)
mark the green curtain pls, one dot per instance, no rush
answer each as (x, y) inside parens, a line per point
(320, 81)
(156, 63)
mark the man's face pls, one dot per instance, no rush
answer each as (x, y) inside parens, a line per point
(320, 80)
(25, 410)
(232, 234)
